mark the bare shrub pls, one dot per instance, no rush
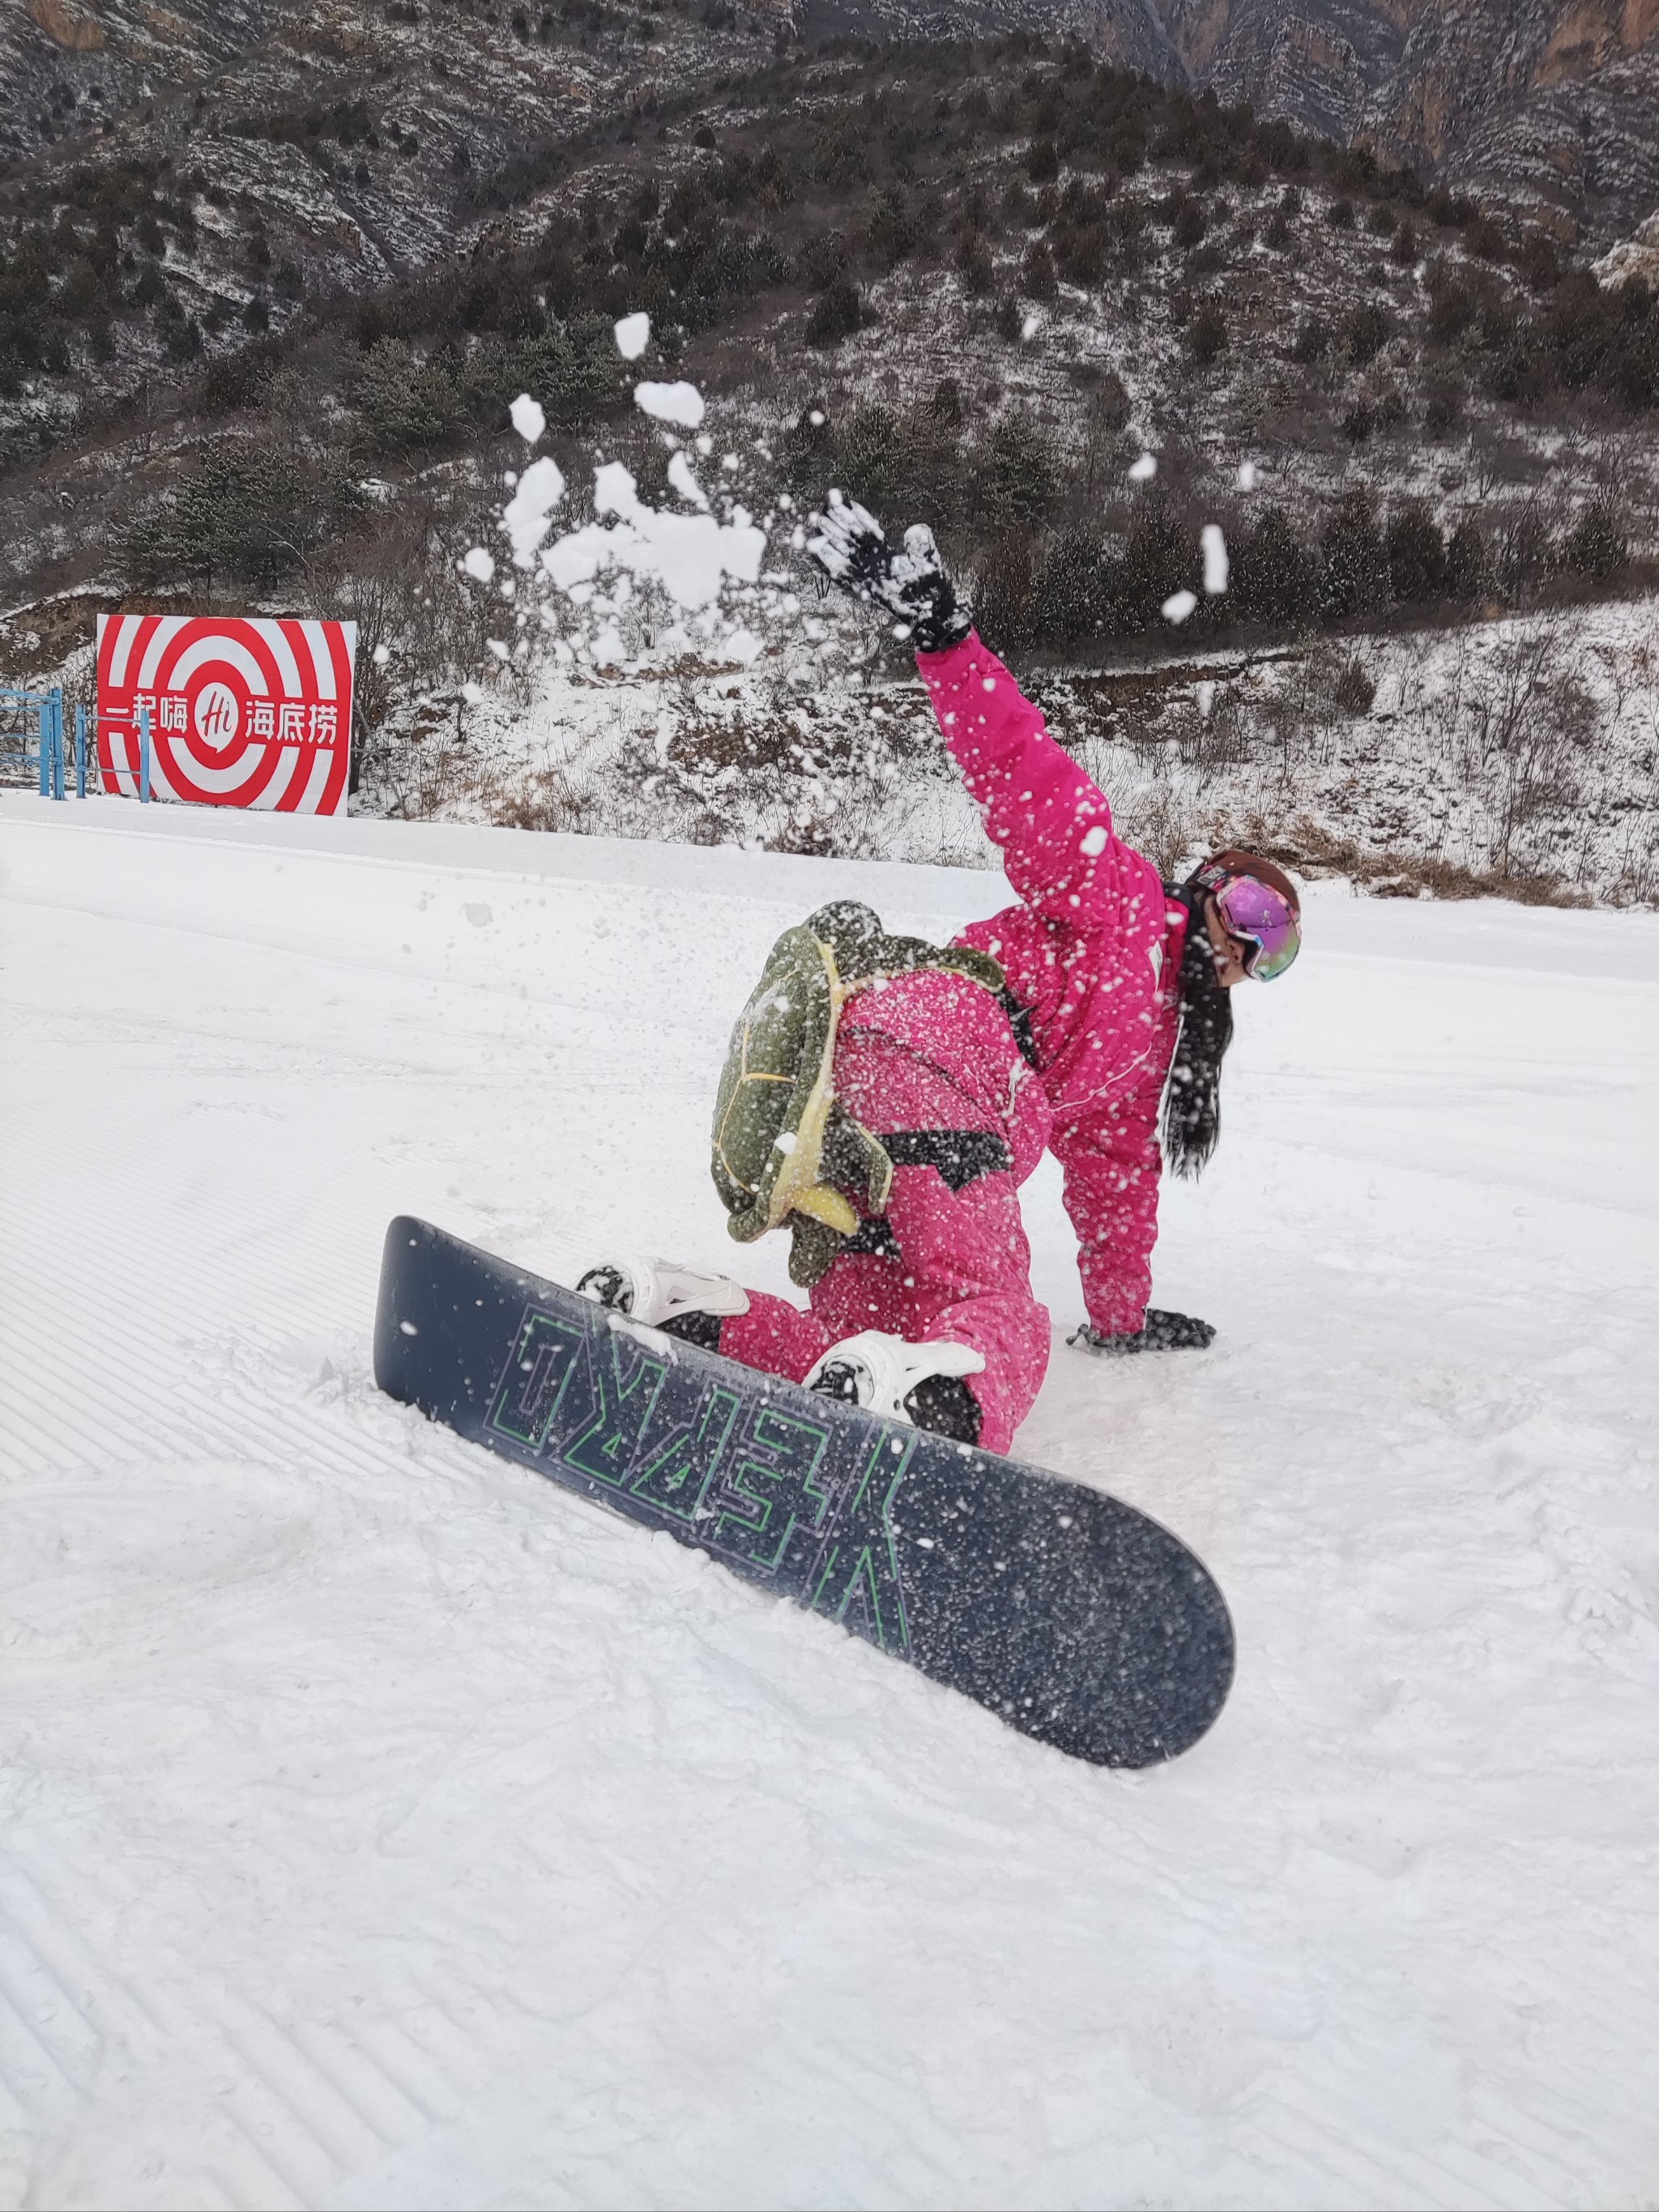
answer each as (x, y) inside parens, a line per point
(1163, 823)
(1354, 688)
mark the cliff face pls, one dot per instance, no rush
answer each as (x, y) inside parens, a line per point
(1553, 104)
(1316, 66)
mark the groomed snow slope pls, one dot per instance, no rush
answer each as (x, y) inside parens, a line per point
(384, 1826)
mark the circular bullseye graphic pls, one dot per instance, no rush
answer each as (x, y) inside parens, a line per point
(252, 712)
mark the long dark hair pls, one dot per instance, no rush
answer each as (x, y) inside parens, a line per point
(1192, 1098)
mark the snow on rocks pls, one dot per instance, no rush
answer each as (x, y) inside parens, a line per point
(1633, 259)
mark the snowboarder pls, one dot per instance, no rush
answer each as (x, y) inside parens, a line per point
(885, 1098)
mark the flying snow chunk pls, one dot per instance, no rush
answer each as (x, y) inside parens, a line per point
(1144, 470)
(1179, 605)
(1205, 692)
(524, 517)
(1030, 327)
(528, 419)
(689, 554)
(479, 564)
(1215, 558)
(671, 403)
(633, 336)
(682, 481)
(472, 693)
(1249, 476)
(741, 646)
(382, 654)
(1094, 843)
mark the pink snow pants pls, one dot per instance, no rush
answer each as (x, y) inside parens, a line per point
(941, 1262)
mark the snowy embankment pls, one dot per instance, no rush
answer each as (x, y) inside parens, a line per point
(1521, 751)
(383, 1826)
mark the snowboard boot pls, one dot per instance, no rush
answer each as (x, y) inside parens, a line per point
(921, 1384)
(677, 1300)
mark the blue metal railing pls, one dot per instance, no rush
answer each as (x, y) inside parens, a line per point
(38, 752)
(36, 747)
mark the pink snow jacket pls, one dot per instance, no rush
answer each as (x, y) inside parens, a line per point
(1093, 952)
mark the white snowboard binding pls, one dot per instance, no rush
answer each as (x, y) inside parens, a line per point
(655, 1292)
(882, 1372)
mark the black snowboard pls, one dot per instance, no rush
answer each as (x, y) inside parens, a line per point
(1075, 1619)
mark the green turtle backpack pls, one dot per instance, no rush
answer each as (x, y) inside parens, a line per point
(785, 1151)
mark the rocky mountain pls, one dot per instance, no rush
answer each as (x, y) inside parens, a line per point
(1552, 103)
(214, 167)
(259, 337)
(1552, 106)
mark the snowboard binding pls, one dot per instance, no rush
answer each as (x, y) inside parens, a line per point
(680, 1300)
(921, 1384)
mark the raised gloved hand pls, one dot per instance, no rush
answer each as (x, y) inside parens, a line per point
(1160, 1332)
(911, 585)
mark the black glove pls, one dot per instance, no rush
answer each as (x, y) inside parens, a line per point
(1162, 1332)
(852, 549)
(945, 1404)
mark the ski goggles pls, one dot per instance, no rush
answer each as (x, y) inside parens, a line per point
(1263, 921)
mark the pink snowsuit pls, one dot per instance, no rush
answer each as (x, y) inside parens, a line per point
(1092, 955)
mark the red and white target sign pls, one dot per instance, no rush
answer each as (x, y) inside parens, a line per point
(242, 713)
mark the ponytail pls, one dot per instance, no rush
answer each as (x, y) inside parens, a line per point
(1192, 1097)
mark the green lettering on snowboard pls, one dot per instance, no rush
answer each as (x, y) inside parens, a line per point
(677, 1474)
(623, 1380)
(536, 1377)
(762, 1500)
(860, 1571)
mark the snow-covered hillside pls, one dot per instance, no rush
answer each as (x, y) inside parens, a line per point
(1520, 754)
(382, 1825)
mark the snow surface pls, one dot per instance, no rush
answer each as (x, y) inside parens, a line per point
(383, 1826)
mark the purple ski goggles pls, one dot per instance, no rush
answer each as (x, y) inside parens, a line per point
(1263, 921)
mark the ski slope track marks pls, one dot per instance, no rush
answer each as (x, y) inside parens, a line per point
(383, 1826)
